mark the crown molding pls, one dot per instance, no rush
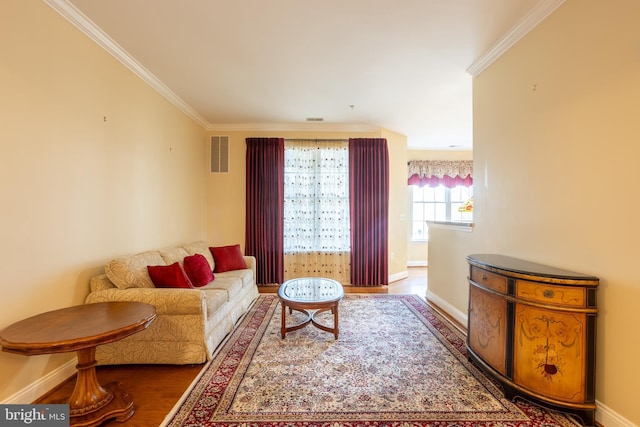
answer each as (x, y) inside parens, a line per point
(292, 127)
(539, 13)
(91, 30)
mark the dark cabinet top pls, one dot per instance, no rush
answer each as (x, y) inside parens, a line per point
(525, 268)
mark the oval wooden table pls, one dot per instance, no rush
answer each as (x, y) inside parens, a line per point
(81, 328)
(307, 294)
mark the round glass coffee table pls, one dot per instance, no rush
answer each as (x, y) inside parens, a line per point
(310, 296)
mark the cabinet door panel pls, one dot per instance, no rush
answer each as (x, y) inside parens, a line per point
(487, 332)
(550, 352)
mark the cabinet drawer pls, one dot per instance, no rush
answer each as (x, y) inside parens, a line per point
(489, 280)
(550, 294)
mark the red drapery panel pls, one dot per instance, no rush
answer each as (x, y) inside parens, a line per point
(369, 211)
(265, 208)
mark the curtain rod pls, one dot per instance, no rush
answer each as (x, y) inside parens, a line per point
(315, 140)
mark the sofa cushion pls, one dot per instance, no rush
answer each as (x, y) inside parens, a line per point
(131, 271)
(215, 299)
(171, 255)
(169, 276)
(232, 285)
(202, 248)
(245, 276)
(198, 270)
(100, 283)
(228, 258)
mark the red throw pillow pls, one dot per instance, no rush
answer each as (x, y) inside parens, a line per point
(169, 276)
(227, 258)
(198, 270)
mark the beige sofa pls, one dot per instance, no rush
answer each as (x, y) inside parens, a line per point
(190, 323)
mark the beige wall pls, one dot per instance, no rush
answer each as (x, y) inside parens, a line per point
(418, 251)
(76, 189)
(226, 192)
(555, 175)
(397, 209)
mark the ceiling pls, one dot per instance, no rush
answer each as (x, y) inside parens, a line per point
(273, 65)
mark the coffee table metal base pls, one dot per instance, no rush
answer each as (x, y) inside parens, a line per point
(308, 311)
(310, 296)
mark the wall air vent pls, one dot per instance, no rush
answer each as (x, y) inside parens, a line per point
(315, 119)
(219, 154)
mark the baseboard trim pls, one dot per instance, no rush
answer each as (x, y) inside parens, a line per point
(270, 289)
(607, 417)
(450, 310)
(39, 388)
(419, 263)
(398, 276)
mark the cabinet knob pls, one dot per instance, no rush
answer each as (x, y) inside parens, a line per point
(484, 277)
(548, 293)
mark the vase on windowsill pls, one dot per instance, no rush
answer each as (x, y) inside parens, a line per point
(467, 206)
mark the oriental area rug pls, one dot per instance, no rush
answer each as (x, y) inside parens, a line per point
(396, 362)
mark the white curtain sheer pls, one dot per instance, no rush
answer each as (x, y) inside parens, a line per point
(316, 209)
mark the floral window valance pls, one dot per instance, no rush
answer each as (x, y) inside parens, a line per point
(449, 173)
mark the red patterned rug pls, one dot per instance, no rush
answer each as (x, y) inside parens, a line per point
(396, 363)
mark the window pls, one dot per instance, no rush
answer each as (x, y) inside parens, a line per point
(316, 197)
(438, 204)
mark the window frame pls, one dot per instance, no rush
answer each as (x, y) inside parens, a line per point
(465, 223)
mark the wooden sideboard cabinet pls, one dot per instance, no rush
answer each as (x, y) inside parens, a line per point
(533, 327)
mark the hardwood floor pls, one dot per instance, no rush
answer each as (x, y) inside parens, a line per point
(416, 283)
(155, 389)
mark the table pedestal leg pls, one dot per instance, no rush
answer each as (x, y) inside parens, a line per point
(334, 311)
(91, 404)
(283, 327)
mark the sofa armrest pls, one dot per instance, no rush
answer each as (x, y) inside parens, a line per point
(165, 300)
(251, 263)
